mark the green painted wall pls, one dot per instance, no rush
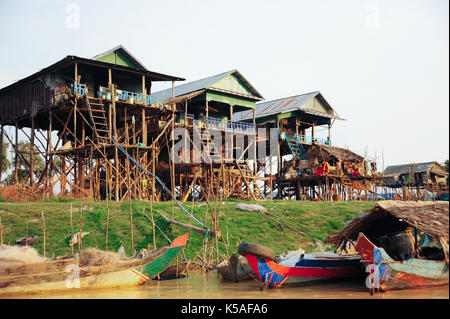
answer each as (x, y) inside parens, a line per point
(117, 57)
(285, 115)
(230, 100)
(232, 83)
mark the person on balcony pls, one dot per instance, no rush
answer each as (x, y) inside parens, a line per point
(325, 168)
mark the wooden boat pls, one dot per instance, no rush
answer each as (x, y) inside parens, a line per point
(154, 268)
(385, 273)
(64, 273)
(173, 271)
(403, 244)
(302, 268)
(235, 269)
(27, 240)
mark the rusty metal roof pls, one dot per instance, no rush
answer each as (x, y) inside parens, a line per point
(288, 104)
(393, 170)
(206, 83)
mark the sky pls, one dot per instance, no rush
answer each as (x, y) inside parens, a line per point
(382, 65)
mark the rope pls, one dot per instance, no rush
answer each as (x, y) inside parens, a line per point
(163, 233)
(159, 229)
(161, 183)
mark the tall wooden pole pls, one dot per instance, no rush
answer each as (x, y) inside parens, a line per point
(1, 232)
(1, 152)
(71, 228)
(43, 226)
(16, 156)
(32, 152)
(116, 149)
(75, 123)
(131, 228)
(107, 206)
(255, 164)
(81, 228)
(49, 150)
(144, 90)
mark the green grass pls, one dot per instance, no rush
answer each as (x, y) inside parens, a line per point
(305, 223)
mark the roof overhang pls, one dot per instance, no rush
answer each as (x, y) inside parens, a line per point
(71, 60)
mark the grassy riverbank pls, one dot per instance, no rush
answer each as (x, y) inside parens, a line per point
(302, 223)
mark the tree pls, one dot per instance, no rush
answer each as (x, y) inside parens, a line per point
(6, 164)
(23, 171)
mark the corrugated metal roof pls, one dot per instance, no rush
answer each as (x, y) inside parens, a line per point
(205, 83)
(413, 168)
(288, 104)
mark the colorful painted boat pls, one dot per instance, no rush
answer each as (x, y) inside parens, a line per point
(63, 274)
(404, 244)
(308, 268)
(155, 267)
(385, 273)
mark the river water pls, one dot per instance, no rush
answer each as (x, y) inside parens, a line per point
(209, 285)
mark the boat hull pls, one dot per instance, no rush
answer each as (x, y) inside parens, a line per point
(158, 265)
(386, 273)
(121, 278)
(274, 275)
(65, 274)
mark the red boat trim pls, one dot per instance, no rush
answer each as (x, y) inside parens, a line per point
(253, 262)
(179, 241)
(309, 271)
(143, 277)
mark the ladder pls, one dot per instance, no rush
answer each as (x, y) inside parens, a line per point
(97, 114)
(295, 147)
(299, 146)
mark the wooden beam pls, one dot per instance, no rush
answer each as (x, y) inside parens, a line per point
(76, 73)
(16, 157)
(1, 154)
(185, 226)
(32, 152)
(144, 90)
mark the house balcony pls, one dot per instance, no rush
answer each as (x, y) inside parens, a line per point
(188, 120)
(63, 93)
(304, 139)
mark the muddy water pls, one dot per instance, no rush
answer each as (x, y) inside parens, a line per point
(211, 286)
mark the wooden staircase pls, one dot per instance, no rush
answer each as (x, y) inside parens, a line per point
(97, 113)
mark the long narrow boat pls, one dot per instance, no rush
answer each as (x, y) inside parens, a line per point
(154, 268)
(404, 244)
(306, 268)
(65, 274)
(385, 273)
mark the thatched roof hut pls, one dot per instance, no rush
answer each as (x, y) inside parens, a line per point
(327, 153)
(415, 173)
(395, 216)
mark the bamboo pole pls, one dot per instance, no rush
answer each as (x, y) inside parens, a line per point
(107, 211)
(1, 152)
(43, 225)
(71, 228)
(1, 232)
(16, 156)
(131, 227)
(153, 222)
(81, 227)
